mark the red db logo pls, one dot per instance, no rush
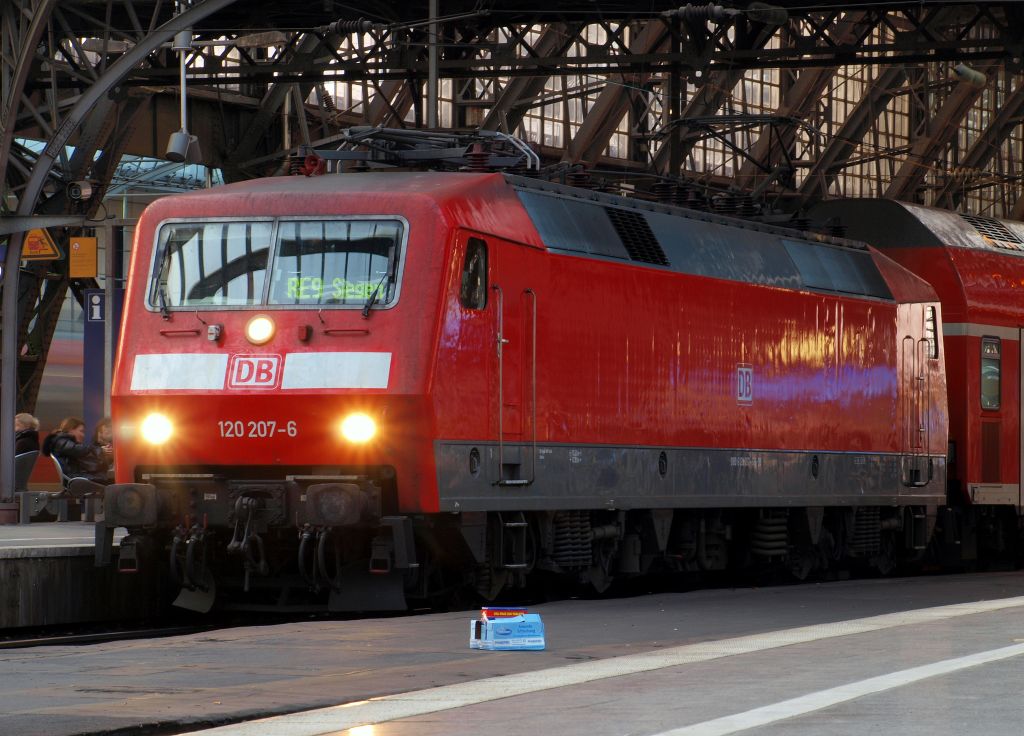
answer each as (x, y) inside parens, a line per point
(254, 371)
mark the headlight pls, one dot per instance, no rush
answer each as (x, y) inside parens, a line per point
(157, 429)
(358, 428)
(259, 329)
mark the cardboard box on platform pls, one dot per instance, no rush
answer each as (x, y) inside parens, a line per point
(506, 629)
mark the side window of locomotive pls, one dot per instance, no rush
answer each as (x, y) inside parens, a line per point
(211, 264)
(336, 262)
(930, 330)
(571, 225)
(473, 292)
(708, 249)
(837, 269)
(991, 358)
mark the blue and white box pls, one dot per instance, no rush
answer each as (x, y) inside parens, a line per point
(507, 629)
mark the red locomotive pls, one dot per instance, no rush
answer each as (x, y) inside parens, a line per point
(976, 265)
(359, 388)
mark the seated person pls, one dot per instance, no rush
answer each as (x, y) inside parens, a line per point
(79, 460)
(103, 438)
(26, 433)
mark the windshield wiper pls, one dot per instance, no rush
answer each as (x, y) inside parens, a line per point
(161, 296)
(374, 295)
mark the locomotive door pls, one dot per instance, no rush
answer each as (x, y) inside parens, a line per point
(914, 411)
(515, 305)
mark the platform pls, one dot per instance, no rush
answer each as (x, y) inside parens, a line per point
(644, 665)
(50, 539)
(49, 578)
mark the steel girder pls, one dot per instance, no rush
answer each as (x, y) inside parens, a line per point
(17, 301)
(614, 100)
(841, 146)
(925, 149)
(1006, 120)
(390, 104)
(979, 33)
(22, 25)
(303, 52)
(799, 100)
(716, 87)
(391, 56)
(520, 93)
(1017, 213)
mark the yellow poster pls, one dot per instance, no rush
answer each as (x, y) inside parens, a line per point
(82, 258)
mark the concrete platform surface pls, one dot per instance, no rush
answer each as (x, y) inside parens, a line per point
(46, 539)
(644, 665)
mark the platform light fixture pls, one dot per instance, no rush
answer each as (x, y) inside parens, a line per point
(182, 146)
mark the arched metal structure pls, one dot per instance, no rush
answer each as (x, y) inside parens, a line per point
(788, 102)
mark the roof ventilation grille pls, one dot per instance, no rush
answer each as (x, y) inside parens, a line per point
(995, 233)
(637, 236)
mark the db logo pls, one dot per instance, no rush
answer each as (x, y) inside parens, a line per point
(254, 371)
(744, 383)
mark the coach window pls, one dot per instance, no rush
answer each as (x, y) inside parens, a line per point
(930, 331)
(991, 354)
(473, 293)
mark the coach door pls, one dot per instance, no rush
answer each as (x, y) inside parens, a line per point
(515, 338)
(914, 411)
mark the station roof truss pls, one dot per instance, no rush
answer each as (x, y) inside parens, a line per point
(771, 106)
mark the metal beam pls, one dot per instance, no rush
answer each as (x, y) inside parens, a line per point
(513, 102)
(1017, 213)
(846, 140)
(308, 47)
(15, 86)
(799, 102)
(17, 224)
(1006, 120)
(717, 87)
(925, 150)
(385, 102)
(613, 102)
(114, 75)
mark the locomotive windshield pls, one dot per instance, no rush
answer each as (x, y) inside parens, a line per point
(212, 264)
(310, 262)
(334, 262)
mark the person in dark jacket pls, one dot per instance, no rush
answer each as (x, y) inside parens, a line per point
(26, 433)
(103, 434)
(79, 460)
(103, 438)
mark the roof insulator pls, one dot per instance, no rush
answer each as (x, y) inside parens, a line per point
(702, 12)
(360, 25)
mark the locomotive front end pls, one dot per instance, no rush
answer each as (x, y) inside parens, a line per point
(265, 402)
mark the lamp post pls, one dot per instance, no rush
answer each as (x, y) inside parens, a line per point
(183, 147)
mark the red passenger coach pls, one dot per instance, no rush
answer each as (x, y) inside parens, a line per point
(976, 265)
(359, 388)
